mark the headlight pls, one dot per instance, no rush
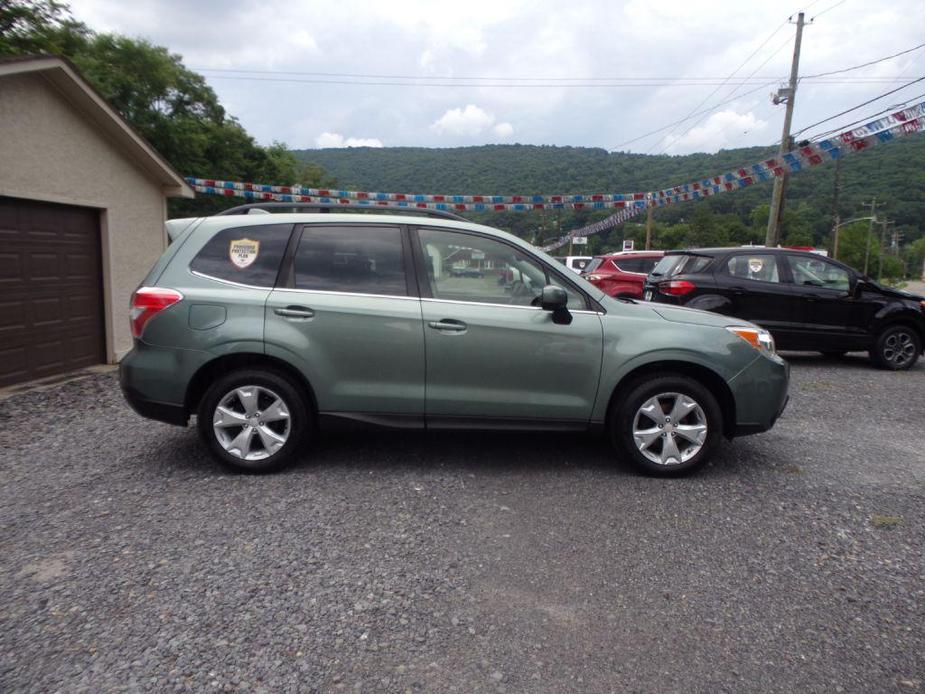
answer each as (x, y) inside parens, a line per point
(756, 337)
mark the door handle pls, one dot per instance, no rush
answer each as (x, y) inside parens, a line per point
(294, 312)
(448, 324)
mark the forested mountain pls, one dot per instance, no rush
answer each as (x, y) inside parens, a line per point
(894, 173)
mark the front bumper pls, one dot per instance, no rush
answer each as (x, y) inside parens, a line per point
(760, 392)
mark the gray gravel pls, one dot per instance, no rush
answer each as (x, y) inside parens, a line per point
(396, 562)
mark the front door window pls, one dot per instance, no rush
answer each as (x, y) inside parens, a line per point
(467, 267)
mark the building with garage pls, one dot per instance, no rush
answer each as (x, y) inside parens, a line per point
(83, 201)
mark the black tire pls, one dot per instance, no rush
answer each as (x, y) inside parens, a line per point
(897, 348)
(623, 417)
(297, 428)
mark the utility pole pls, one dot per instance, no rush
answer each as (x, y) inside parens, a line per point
(786, 144)
(870, 229)
(883, 225)
(836, 217)
(649, 222)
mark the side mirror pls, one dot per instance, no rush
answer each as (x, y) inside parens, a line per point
(857, 289)
(555, 299)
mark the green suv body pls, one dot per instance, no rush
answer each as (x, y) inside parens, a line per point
(269, 326)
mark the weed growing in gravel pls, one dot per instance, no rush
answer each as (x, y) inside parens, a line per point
(886, 521)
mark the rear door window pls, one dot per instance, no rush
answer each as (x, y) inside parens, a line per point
(247, 255)
(354, 259)
(759, 267)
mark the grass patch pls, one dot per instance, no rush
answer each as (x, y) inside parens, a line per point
(886, 521)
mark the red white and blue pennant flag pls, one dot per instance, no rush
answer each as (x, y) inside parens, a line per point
(881, 130)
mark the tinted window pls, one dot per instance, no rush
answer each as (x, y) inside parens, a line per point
(593, 265)
(754, 266)
(635, 264)
(819, 273)
(466, 267)
(671, 265)
(249, 255)
(361, 260)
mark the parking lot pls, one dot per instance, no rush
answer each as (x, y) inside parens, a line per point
(465, 562)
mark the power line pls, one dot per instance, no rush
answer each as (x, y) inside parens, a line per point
(731, 95)
(707, 110)
(855, 108)
(892, 108)
(872, 62)
(731, 75)
(234, 72)
(532, 85)
(813, 18)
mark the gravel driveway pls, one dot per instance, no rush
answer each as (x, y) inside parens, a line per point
(396, 562)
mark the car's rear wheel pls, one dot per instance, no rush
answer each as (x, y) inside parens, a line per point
(667, 425)
(253, 420)
(896, 348)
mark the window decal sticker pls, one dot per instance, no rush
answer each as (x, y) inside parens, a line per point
(243, 252)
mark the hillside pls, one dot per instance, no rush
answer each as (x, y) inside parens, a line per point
(894, 173)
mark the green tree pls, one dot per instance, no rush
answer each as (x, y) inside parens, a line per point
(914, 255)
(30, 27)
(170, 105)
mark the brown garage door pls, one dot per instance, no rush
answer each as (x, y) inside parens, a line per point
(51, 302)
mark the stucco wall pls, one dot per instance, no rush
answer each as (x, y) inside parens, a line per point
(49, 151)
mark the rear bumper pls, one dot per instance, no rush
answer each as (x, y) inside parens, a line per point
(152, 409)
(761, 393)
(154, 381)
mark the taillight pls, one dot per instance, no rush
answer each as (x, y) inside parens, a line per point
(676, 287)
(147, 302)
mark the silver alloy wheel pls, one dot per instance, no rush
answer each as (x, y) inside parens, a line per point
(670, 428)
(251, 422)
(899, 348)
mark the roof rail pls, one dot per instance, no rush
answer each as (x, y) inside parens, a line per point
(328, 206)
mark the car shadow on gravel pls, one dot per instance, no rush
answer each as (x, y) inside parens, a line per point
(401, 452)
(853, 361)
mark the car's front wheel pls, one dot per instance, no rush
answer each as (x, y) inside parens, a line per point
(253, 420)
(668, 425)
(896, 348)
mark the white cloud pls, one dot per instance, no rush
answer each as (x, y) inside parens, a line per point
(337, 140)
(503, 129)
(720, 131)
(439, 44)
(302, 39)
(470, 121)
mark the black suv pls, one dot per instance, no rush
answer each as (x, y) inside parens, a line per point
(806, 301)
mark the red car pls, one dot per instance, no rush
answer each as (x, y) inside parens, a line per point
(622, 274)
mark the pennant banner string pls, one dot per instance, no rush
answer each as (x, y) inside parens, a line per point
(881, 130)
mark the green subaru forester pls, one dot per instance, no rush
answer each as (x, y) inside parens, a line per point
(270, 326)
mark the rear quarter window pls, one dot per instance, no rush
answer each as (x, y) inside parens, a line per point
(671, 265)
(247, 255)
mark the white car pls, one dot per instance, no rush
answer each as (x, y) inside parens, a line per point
(576, 263)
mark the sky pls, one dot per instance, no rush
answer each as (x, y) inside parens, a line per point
(495, 71)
